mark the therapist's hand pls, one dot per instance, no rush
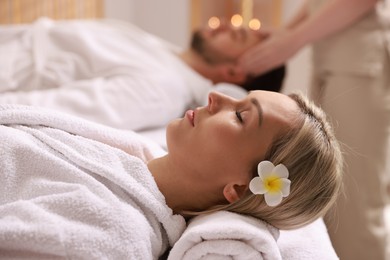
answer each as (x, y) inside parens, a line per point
(269, 53)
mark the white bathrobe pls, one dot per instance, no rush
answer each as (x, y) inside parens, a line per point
(68, 192)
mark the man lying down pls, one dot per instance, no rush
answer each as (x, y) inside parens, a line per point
(75, 189)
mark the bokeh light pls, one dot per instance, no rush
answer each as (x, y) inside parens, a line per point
(254, 24)
(236, 20)
(214, 22)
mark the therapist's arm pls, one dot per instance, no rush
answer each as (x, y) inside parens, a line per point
(299, 16)
(304, 29)
(334, 16)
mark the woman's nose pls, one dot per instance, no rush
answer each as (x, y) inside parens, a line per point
(218, 101)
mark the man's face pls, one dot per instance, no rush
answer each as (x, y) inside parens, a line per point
(224, 44)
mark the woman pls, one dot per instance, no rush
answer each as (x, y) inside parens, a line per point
(351, 83)
(225, 141)
(219, 158)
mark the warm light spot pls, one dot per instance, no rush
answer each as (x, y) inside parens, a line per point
(254, 24)
(236, 20)
(214, 22)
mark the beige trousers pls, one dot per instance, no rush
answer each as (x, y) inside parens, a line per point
(359, 107)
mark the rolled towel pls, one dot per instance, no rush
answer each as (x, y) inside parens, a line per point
(227, 235)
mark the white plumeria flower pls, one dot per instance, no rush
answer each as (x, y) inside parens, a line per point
(273, 182)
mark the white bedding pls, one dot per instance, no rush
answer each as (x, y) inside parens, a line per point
(307, 243)
(105, 71)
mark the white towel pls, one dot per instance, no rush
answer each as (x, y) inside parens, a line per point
(226, 235)
(75, 197)
(307, 243)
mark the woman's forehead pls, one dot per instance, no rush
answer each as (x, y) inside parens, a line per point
(272, 97)
(276, 106)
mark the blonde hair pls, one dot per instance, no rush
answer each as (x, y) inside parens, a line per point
(312, 155)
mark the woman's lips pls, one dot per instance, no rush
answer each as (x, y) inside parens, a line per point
(190, 114)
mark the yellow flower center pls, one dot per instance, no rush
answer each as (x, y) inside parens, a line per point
(273, 183)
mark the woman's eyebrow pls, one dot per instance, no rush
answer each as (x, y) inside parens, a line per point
(256, 103)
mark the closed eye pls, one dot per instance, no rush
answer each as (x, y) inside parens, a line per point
(239, 117)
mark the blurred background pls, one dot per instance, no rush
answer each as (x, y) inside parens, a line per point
(172, 20)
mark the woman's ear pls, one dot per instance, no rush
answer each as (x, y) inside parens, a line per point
(232, 73)
(233, 192)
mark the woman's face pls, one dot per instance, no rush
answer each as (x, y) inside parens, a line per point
(226, 139)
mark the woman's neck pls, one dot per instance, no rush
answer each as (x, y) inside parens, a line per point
(181, 193)
(168, 183)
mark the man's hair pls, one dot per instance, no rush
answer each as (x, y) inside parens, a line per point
(313, 157)
(270, 81)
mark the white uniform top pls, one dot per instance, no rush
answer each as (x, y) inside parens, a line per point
(358, 49)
